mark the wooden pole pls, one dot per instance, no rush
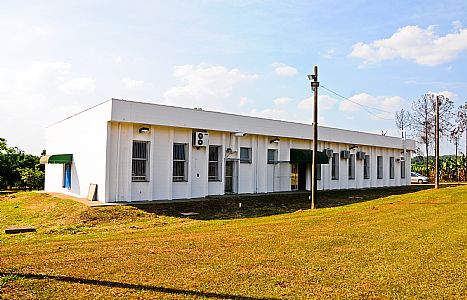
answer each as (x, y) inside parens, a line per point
(314, 181)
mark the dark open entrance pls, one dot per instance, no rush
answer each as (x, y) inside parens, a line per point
(302, 177)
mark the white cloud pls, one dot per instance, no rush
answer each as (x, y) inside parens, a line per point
(132, 83)
(379, 106)
(244, 101)
(79, 85)
(204, 85)
(29, 93)
(270, 113)
(414, 43)
(283, 69)
(282, 101)
(329, 53)
(446, 94)
(118, 60)
(324, 102)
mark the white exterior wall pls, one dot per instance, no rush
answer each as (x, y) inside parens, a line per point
(255, 177)
(85, 136)
(101, 141)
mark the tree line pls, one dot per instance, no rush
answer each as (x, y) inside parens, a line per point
(420, 123)
(19, 170)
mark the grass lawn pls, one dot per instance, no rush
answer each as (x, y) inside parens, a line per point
(411, 245)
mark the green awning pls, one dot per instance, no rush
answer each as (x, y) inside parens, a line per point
(57, 159)
(305, 156)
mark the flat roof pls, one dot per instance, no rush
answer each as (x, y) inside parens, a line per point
(173, 116)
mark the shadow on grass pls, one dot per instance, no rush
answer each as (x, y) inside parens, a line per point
(258, 205)
(138, 287)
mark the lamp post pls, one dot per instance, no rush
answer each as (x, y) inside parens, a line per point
(314, 87)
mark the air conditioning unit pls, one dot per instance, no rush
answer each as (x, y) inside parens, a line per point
(360, 155)
(328, 152)
(345, 154)
(200, 139)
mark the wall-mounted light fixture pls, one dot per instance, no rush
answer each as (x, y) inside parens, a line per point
(353, 147)
(240, 134)
(143, 129)
(276, 140)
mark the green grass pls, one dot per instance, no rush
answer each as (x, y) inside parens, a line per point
(411, 245)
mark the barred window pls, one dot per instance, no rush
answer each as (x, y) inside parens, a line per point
(179, 162)
(245, 155)
(335, 166)
(272, 156)
(214, 163)
(352, 167)
(140, 159)
(366, 167)
(402, 169)
(391, 167)
(379, 166)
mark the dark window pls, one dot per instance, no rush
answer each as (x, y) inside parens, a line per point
(318, 171)
(179, 162)
(402, 169)
(272, 156)
(352, 166)
(214, 163)
(379, 166)
(335, 166)
(366, 167)
(245, 155)
(140, 158)
(391, 167)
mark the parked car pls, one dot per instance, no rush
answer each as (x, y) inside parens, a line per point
(418, 178)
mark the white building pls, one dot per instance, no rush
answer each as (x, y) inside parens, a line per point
(140, 151)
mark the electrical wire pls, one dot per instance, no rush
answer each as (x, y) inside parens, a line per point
(365, 107)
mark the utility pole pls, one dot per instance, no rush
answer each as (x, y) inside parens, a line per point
(314, 182)
(437, 143)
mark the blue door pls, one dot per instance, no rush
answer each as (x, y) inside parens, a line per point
(67, 176)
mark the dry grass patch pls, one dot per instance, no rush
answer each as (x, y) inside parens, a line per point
(411, 245)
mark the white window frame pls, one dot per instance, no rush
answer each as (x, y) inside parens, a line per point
(184, 177)
(143, 175)
(216, 163)
(391, 167)
(366, 167)
(335, 166)
(379, 167)
(243, 160)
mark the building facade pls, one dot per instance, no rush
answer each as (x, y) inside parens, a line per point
(135, 151)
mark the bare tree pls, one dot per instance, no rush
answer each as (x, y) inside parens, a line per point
(461, 121)
(403, 119)
(423, 120)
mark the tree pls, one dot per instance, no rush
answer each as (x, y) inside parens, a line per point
(423, 120)
(461, 121)
(12, 160)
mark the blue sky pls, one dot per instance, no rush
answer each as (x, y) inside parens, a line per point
(247, 57)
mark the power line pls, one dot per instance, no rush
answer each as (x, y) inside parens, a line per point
(365, 107)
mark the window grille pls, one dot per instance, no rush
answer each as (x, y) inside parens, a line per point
(140, 158)
(391, 167)
(179, 162)
(352, 166)
(245, 155)
(366, 167)
(379, 165)
(272, 156)
(214, 163)
(335, 166)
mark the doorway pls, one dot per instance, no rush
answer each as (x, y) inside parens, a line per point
(231, 177)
